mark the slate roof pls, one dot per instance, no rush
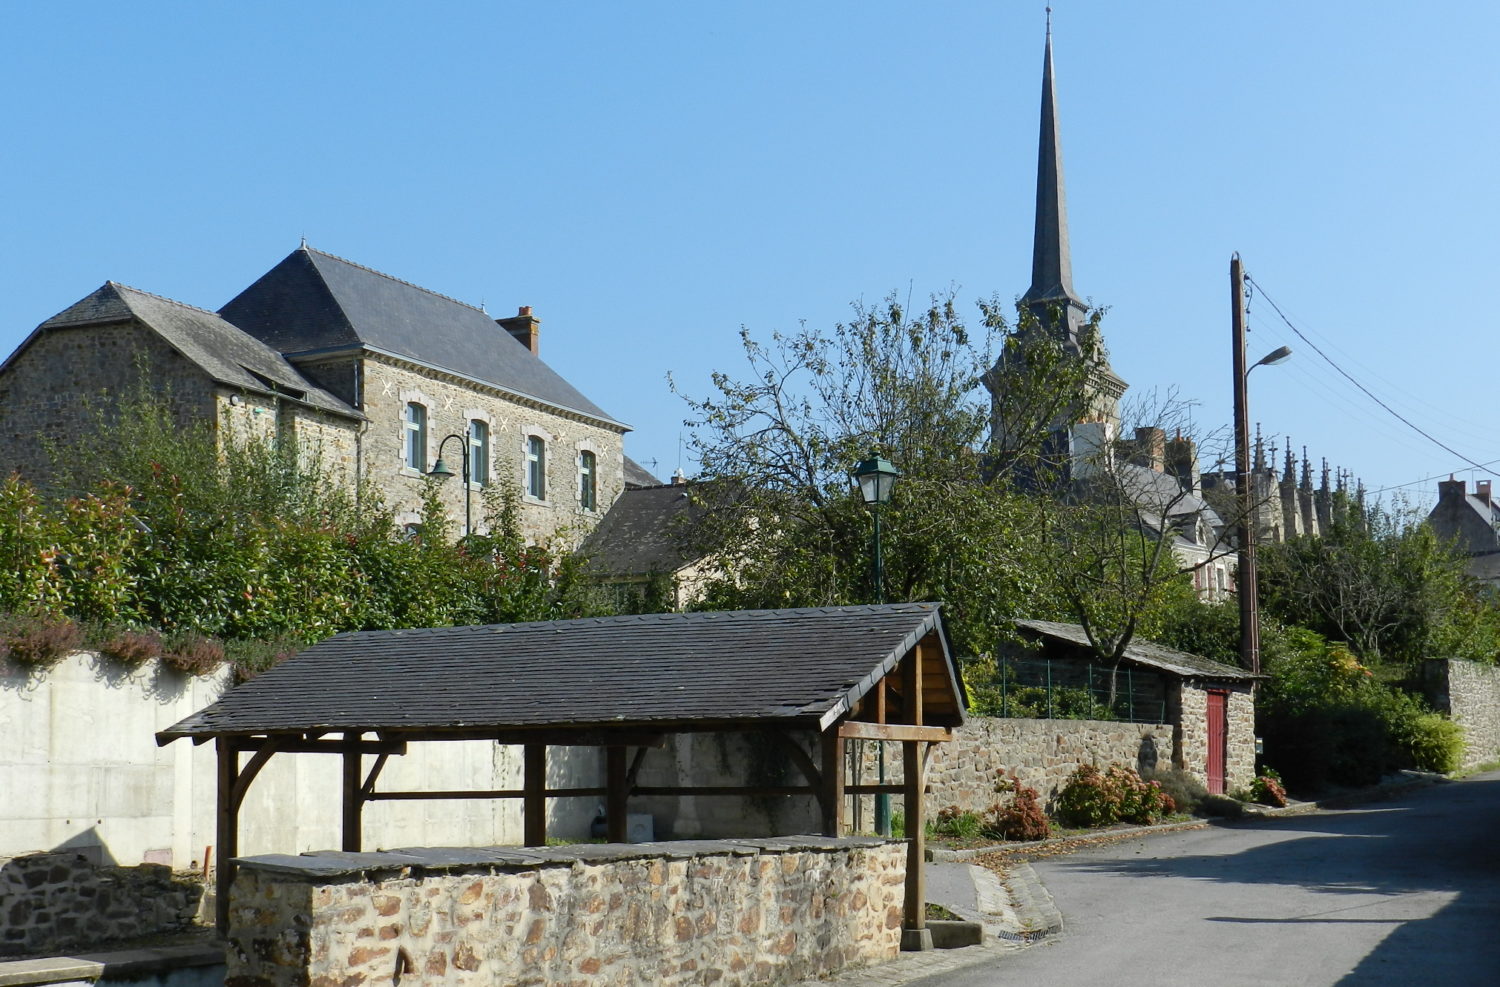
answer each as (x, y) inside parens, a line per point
(222, 351)
(314, 302)
(647, 531)
(804, 667)
(1146, 653)
(637, 475)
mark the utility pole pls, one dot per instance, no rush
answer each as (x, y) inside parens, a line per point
(1245, 578)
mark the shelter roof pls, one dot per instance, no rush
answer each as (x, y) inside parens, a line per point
(1145, 653)
(224, 352)
(754, 668)
(314, 302)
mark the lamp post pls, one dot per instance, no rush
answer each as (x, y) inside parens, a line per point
(442, 472)
(1246, 579)
(877, 478)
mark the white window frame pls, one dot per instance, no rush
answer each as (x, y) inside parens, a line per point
(480, 447)
(534, 466)
(414, 437)
(588, 480)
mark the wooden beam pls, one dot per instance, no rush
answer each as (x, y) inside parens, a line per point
(915, 910)
(290, 744)
(228, 832)
(832, 797)
(615, 799)
(880, 700)
(913, 686)
(353, 796)
(550, 737)
(635, 768)
(534, 805)
(369, 784)
(247, 774)
(860, 730)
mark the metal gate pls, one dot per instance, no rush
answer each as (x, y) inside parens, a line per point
(1218, 740)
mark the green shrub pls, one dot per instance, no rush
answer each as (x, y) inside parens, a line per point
(1436, 743)
(1092, 798)
(1266, 789)
(956, 823)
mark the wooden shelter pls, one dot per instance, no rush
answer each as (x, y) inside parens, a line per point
(623, 684)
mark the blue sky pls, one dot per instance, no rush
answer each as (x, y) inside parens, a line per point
(650, 177)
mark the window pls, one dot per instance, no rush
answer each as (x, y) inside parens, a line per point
(587, 490)
(479, 453)
(536, 467)
(416, 437)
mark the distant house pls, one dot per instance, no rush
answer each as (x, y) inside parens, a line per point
(379, 376)
(647, 548)
(1472, 521)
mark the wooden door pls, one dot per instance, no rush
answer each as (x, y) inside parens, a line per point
(1218, 740)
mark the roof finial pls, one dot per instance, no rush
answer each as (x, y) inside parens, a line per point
(1049, 20)
(304, 241)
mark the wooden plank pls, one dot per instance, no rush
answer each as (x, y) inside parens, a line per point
(858, 730)
(915, 909)
(227, 825)
(761, 790)
(912, 686)
(247, 774)
(616, 796)
(534, 806)
(369, 783)
(833, 783)
(550, 737)
(288, 744)
(353, 798)
(880, 712)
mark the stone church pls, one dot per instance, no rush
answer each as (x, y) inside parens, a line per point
(376, 376)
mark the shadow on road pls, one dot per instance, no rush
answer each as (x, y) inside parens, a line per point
(1439, 841)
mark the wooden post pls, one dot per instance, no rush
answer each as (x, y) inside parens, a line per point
(913, 684)
(914, 934)
(534, 795)
(833, 782)
(354, 800)
(615, 797)
(228, 826)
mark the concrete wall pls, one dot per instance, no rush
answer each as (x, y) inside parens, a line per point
(758, 911)
(80, 770)
(1469, 693)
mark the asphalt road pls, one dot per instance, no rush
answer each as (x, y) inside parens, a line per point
(1401, 892)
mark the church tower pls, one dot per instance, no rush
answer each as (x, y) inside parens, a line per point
(1052, 300)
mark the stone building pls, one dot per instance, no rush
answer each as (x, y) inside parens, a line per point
(376, 376)
(1472, 520)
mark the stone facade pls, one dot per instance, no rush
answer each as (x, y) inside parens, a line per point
(1190, 734)
(451, 404)
(758, 911)
(63, 901)
(1469, 693)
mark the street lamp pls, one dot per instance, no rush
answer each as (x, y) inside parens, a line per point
(442, 472)
(1246, 578)
(877, 478)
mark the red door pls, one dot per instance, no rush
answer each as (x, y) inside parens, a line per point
(1218, 740)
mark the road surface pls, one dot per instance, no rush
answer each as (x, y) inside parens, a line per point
(1402, 892)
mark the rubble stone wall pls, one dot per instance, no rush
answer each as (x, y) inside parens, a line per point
(1469, 693)
(63, 901)
(722, 912)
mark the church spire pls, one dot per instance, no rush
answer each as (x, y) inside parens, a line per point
(1051, 296)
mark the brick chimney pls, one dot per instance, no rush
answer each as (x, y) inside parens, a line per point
(524, 328)
(1150, 448)
(1182, 462)
(1482, 491)
(1451, 489)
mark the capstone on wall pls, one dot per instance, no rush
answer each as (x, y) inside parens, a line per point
(51, 394)
(451, 402)
(749, 912)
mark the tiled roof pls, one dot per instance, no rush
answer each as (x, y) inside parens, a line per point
(1148, 653)
(804, 666)
(313, 302)
(647, 531)
(222, 351)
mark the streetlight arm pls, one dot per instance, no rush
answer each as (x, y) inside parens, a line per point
(442, 472)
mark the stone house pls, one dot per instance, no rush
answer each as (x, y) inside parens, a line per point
(1472, 521)
(378, 377)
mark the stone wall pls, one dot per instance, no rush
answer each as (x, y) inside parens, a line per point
(1469, 693)
(1042, 753)
(757, 911)
(63, 901)
(1191, 714)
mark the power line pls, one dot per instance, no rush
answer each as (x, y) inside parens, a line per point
(1367, 392)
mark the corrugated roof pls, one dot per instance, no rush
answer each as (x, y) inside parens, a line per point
(1148, 653)
(313, 302)
(806, 666)
(224, 352)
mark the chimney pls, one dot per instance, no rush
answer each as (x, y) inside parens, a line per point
(678, 478)
(1150, 448)
(1482, 491)
(1182, 462)
(1451, 489)
(524, 328)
